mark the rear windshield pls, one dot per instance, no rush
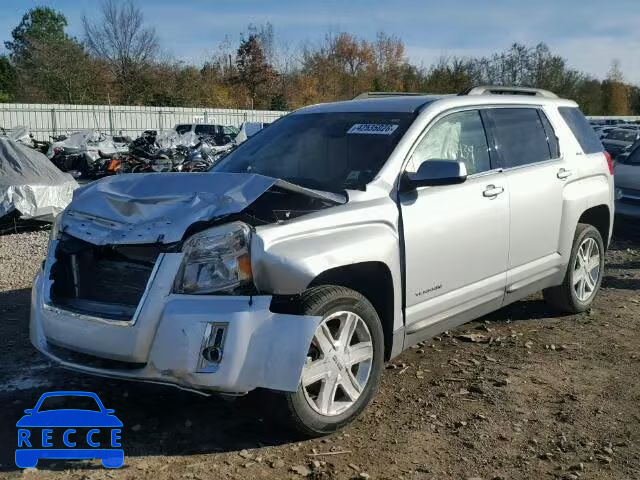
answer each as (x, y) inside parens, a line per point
(325, 151)
(622, 135)
(581, 129)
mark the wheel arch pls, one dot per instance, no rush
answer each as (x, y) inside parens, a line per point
(600, 217)
(374, 281)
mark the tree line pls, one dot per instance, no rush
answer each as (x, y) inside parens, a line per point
(119, 60)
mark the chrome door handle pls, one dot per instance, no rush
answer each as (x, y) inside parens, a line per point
(563, 173)
(492, 191)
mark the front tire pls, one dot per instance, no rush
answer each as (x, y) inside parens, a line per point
(344, 364)
(584, 273)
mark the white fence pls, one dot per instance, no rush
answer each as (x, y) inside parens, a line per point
(53, 119)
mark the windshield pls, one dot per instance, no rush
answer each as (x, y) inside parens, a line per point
(324, 151)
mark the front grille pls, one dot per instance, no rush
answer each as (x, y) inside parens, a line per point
(108, 281)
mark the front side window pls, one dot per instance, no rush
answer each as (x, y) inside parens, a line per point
(182, 129)
(330, 151)
(519, 135)
(459, 136)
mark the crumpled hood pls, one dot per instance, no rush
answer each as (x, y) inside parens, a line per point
(159, 207)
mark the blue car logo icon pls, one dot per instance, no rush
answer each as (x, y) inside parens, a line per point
(77, 422)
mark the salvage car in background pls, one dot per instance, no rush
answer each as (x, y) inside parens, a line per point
(619, 140)
(31, 187)
(223, 134)
(627, 181)
(336, 238)
(85, 153)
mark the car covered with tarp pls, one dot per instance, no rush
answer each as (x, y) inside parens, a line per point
(31, 187)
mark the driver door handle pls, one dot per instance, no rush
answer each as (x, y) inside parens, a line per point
(563, 173)
(492, 191)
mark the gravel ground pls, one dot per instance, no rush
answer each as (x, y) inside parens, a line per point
(540, 396)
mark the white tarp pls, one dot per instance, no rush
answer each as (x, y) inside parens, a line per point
(171, 139)
(90, 141)
(31, 184)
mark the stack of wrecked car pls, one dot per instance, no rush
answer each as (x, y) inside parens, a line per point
(31, 187)
(84, 153)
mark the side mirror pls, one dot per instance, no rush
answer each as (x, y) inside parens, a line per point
(29, 411)
(434, 173)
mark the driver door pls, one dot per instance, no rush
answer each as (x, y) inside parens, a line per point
(456, 237)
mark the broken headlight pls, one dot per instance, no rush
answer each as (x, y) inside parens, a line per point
(216, 260)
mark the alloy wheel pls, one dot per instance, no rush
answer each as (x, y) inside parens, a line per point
(338, 363)
(586, 270)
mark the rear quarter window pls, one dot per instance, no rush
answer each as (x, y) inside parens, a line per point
(582, 130)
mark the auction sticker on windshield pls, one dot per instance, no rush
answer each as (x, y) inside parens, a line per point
(373, 129)
(69, 425)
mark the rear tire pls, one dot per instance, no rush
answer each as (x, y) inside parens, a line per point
(584, 273)
(345, 361)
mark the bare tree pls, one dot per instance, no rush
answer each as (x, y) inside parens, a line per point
(120, 37)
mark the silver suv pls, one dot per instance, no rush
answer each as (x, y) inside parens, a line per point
(327, 244)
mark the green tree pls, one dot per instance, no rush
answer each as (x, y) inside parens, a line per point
(254, 73)
(8, 79)
(42, 24)
(61, 71)
(616, 92)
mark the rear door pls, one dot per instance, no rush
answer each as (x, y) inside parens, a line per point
(527, 150)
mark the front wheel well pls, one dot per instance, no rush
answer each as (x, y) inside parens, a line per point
(600, 217)
(371, 279)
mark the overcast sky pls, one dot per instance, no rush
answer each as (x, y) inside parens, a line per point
(589, 33)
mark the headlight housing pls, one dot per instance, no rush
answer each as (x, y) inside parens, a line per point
(216, 260)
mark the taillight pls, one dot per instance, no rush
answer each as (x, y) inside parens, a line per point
(607, 155)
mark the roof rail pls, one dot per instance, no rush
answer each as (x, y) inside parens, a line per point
(388, 94)
(497, 90)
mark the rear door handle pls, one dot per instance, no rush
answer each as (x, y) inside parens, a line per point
(563, 173)
(492, 191)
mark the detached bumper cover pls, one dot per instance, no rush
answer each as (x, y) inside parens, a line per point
(164, 342)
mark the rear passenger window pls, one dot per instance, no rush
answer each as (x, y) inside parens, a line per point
(519, 135)
(582, 130)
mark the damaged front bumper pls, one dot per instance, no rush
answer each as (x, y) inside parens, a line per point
(245, 344)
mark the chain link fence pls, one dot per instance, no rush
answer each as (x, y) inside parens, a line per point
(47, 120)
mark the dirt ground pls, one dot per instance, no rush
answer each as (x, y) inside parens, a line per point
(545, 397)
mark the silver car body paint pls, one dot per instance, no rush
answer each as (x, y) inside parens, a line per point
(459, 262)
(261, 348)
(152, 208)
